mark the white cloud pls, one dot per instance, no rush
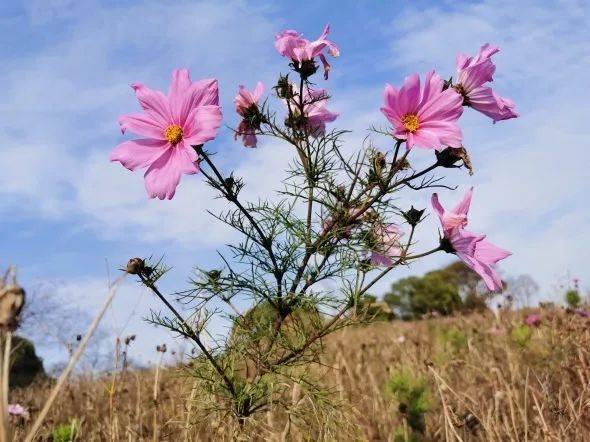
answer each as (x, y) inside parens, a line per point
(530, 173)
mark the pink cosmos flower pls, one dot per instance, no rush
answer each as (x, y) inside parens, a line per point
(292, 45)
(533, 320)
(456, 218)
(188, 116)
(18, 410)
(477, 253)
(247, 108)
(387, 244)
(316, 113)
(473, 73)
(583, 313)
(424, 117)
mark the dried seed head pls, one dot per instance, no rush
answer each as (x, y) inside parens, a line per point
(135, 266)
(12, 301)
(450, 156)
(161, 348)
(129, 339)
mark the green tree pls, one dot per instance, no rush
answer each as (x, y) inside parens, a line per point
(573, 298)
(444, 291)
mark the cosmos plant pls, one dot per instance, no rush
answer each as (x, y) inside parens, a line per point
(306, 259)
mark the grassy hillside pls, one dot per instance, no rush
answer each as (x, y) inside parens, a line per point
(473, 377)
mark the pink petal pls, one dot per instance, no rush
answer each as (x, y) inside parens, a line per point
(202, 124)
(258, 91)
(136, 154)
(154, 103)
(409, 95)
(433, 86)
(143, 124)
(463, 206)
(448, 132)
(163, 176)
(446, 105)
(489, 253)
(436, 205)
(200, 93)
(427, 139)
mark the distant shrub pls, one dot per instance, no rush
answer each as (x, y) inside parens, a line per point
(453, 339)
(65, 432)
(371, 309)
(413, 396)
(573, 298)
(25, 365)
(522, 335)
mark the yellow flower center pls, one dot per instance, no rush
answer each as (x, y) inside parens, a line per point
(173, 134)
(411, 122)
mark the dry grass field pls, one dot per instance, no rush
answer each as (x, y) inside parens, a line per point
(471, 377)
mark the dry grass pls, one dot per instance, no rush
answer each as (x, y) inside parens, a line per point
(512, 386)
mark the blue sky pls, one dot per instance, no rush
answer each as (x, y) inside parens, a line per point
(69, 217)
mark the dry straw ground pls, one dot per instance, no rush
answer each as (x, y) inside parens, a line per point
(487, 377)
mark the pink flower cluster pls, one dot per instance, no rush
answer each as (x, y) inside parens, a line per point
(427, 116)
(175, 125)
(474, 250)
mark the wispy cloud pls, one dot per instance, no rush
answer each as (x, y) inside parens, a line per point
(65, 87)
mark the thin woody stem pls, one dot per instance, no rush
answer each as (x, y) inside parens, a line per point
(187, 329)
(326, 329)
(230, 196)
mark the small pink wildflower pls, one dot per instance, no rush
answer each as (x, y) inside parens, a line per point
(247, 107)
(291, 44)
(424, 117)
(533, 320)
(18, 410)
(474, 73)
(348, 223)
(479, 254)
(315, 111)
(188, 116)
(386, 238)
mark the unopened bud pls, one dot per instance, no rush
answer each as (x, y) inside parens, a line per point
(379, 163)
(447, 83)
(413, 216)
(283, 88)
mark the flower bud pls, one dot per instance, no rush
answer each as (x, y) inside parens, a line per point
(413, 216)
(447, 83)
(283, 88)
